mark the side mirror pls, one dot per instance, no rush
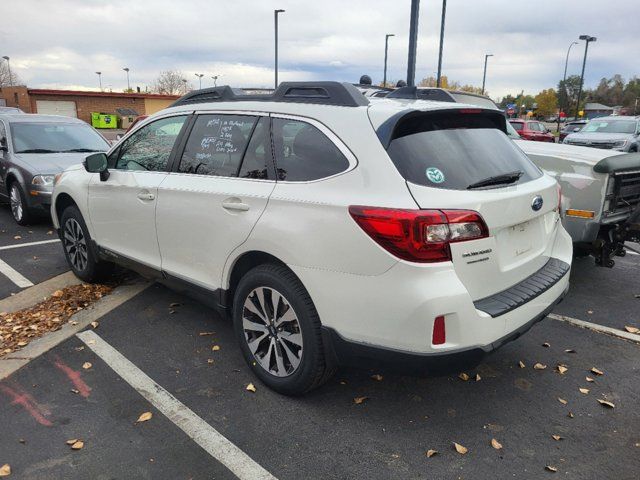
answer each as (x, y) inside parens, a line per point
(3, 145)
(97, 163)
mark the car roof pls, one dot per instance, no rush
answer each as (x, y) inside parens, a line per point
(518, 120)
(618, 117)
(37, 118)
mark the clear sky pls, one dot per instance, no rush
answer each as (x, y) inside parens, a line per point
(62, 43)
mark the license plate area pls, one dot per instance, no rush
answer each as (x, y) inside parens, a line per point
(520, 238)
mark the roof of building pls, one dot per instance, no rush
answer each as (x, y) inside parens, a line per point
(596, 106)
(41, 91)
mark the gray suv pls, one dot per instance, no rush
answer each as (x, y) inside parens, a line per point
(33, 149)
(612, 133)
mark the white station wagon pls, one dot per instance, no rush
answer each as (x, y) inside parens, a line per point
(334, 230)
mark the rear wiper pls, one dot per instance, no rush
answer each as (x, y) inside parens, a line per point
(38, 150)
(82, 150)
(503, 179)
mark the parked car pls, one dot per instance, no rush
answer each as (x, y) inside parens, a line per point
(612, 133)
(335, 229)
(7, 110)
(35, 148)
(572, 127)
(600, 188)
(532, 130)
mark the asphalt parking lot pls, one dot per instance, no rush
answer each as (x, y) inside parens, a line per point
(198, 398)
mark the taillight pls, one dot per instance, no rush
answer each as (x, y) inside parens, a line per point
(419, 235)
(439, 335)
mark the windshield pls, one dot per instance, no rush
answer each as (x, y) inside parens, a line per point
(517, 125)
(56, 137)
(610, 126)
(457, 151)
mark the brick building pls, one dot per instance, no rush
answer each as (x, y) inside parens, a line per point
(81, 104)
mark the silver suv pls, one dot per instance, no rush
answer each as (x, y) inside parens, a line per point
(612, 133)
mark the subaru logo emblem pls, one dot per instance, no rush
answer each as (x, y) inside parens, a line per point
(536, 203)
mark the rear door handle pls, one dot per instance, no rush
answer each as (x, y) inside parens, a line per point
(146, 196)
(235, 204)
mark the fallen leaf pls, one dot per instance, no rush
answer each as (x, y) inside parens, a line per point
(551, 468)
(570, 415)
(589, 379)
(557, 438)
(631, 329)
(22, 344)
(596, 371)
(589, 312)
(584, 391)
(210, 361)
(377, 377)
(17, 237)
(359, 400)
(562, 401)
(79, 349)
(73, 390)
(94, 325)
(569, 350)
(546, 344)
(251, 388)
(521, 364)
(496, 444)
(77, 445)
(478, 377)
(174, 304)
(460, 449)
(204, 334)
(561, 369)
(463, 376)
(215, 348)
(50, 232)
(144, 417)
(86, 365)
(539, 366)
(606, 403)
(57, 293)
(431, 453)
(5, 470)
(72, 441)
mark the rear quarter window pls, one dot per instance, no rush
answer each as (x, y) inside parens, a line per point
(454, 150)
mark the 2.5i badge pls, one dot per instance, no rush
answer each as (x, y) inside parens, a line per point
(435, 175)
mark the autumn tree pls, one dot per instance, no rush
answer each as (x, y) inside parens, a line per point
(171, 82)
(5, 81)
(547, 101)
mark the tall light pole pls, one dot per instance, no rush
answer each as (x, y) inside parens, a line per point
(444, 13)
(587, 39)
(484, 75)
(9, 67)
(184, 85)
(126, 69)
(386, 49)
(413, 43)
(275, 21)
(215, 80)
(564, 83)
(200, 75)
(100, 79)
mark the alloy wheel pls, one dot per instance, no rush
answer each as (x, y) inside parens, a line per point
(15, 200)
(75, 244)
(272, 331)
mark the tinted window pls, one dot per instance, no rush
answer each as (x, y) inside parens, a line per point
(304, 153)
(56, 137)
(258, 160)
(216, 145)
(517, 126)
(454, 151)
(610, 126)
(150, 147)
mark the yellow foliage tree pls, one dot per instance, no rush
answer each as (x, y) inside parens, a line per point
(547, 101)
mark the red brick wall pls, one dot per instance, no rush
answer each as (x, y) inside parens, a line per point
(11, 93)
(85, 105)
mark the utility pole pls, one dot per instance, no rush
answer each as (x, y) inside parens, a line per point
(9, 68)
(588, 39)
(484, 75)
(215, 80)
(100, 79)
(413, 43)
(199, 75)
(386, 49)
(126, 69)
(275, 20)
(564, 83)
(444, 13)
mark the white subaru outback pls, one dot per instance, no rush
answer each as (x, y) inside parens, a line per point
(335, 231)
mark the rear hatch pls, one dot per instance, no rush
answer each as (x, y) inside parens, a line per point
(462, 159)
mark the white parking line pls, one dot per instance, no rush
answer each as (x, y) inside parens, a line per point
(195, 427)
(28, 244)
(14, 276)
(598, 328)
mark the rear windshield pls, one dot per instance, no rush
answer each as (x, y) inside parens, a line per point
(517, 125)
(473, 100)
(455, 151)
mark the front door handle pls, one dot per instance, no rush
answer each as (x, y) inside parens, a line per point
(235, 204)
(146, 196)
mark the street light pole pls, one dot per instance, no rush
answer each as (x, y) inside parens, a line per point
(444, 13)
(564, 82)
(275, 20)
(100, 79)
(413, 43)
(9, 68)
(484, 75)
(215, 80)
(184, 85)
(587, 39)
(386, 49)
(126, 69)
(200, 75)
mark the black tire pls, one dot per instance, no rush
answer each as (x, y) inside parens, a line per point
(92, 269)
(312, 370)
(18, 204)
